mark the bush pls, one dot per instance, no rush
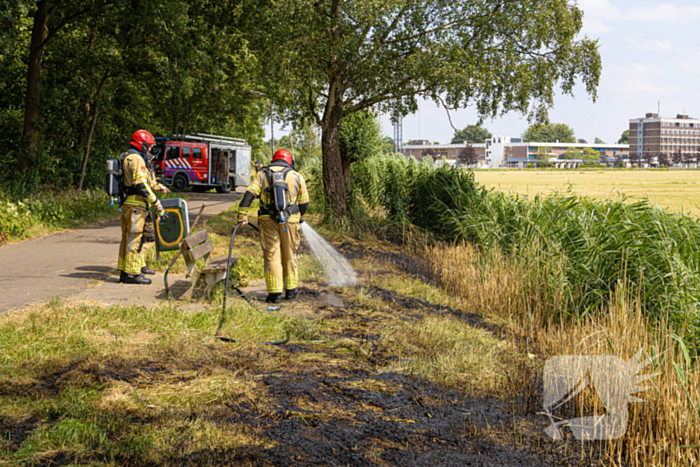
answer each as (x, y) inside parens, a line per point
(50, 209)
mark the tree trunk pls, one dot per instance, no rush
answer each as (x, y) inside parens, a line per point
(333, 172)
(92, 130)
(31, 106)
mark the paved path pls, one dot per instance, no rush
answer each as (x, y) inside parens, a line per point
(66, 263)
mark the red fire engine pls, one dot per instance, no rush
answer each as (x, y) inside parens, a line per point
(202, 162)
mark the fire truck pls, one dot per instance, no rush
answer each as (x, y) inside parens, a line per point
(202, 162)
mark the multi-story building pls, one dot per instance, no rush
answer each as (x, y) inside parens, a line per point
(504, 151)
(653, 135)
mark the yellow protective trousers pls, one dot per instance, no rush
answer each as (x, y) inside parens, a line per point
(280, 253)
(133, 220)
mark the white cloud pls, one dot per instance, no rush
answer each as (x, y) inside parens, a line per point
(641, 88)
(691, 62)
(594, 27)
(666, 13)
(648, 45)
(595, 13)
(600, 9)
(646, 69)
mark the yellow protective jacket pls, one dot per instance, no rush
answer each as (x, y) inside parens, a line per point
(296, 194)
(137, 175)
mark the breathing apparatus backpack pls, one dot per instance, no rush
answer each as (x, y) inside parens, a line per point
(278, 209)
(116, 187)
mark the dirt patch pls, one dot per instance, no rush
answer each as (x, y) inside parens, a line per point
(361, 418)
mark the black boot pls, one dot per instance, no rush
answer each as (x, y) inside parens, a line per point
(134, 279)
(150, 272)
(290, 294)
(274, 298)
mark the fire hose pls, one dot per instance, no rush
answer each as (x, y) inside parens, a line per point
(237, 289)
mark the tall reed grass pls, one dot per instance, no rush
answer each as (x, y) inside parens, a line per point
(584, 249)
(662, 431)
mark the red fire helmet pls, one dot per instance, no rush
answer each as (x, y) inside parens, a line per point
(284, 155)
(142, 140)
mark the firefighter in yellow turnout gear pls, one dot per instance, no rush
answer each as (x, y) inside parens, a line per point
(279, 231)
(136, 194)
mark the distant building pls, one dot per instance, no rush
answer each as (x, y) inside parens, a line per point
(504, 151)
(653, 135)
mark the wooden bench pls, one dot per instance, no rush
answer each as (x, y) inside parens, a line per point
(198, 246)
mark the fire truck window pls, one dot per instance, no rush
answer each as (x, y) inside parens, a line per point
(173, 152)
(196, 153)
(186, 153)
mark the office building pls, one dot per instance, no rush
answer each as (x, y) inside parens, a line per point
(654, 135)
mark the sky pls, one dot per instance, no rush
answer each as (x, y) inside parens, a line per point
(649, 53)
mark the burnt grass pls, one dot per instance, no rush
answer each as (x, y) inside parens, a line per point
(340, 410)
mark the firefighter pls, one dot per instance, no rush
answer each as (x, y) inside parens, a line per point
(279, 230)
(149, 233)
(137, 195)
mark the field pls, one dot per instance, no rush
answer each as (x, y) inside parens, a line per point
(674, 189)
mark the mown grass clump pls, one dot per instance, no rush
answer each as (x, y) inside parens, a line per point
(596, 246)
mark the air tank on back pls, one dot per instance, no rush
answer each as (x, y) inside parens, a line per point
(112, 186)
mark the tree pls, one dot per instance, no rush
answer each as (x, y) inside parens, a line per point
(590, 156)
(634, 158)
(664, 159)
(543, 153)
(572, 153)
(329, 59)
(678, 157)
(49, 17)
(598, 141)
(387, 145)
(467, 155)
(471, 134)
(625, 138)
(550, 133)
(360, 138)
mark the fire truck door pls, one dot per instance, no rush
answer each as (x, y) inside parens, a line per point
(198, 162)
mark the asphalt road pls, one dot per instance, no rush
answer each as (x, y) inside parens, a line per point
(66, 263)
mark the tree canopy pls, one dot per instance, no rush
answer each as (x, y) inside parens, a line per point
(471, 134)
(98, 71)
(550, 133)
(80, 76)
(328, 59)
(624, 138)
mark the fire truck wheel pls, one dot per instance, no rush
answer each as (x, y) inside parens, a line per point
(225, 188)
(179, 182)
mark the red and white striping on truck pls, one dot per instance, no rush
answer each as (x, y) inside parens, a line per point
(202, 162)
